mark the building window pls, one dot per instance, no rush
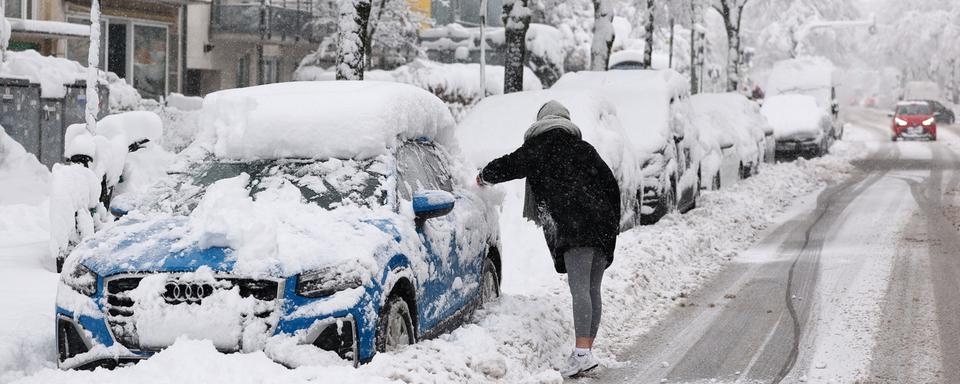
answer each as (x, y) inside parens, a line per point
(20, 9)
(77, 49)
(150, 60)
(243, 71)
(271, 70)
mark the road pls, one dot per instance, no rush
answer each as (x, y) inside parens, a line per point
(859, 284)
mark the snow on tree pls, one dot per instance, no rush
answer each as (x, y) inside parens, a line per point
(92, 108)
(732, 13)
(648, 35)
(4, 33)
(603, 34)
(352, 23)
(516, 21)
(393, 34)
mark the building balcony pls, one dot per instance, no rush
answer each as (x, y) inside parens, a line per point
(282, 21)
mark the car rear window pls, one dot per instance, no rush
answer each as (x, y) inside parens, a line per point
(913, 109)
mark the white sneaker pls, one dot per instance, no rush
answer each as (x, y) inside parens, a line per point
(579, 363)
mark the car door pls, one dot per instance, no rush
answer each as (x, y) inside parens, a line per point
(418, 170)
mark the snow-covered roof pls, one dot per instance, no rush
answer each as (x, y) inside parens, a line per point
(800, 75)
(659, 60)
(322, 119)
(642, 99)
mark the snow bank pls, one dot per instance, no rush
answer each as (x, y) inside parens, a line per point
(310, 119)
(23, 177)
(795, 116)
(53, 74)
(642, 98)
(496, 126)
(74, 207)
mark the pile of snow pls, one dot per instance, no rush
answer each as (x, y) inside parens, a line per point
(54, 74)
(458, 85)
(75, 209)
(496, 126)
(324, 119)
(23, 177)
(796, 117)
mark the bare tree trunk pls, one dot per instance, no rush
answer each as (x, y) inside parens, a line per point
(648, 35)
(732, 12)
(602, 35)
(516, 19)
(371, 32)
(694, 81)
(354, 16)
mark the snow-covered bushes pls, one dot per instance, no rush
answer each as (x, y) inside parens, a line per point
(124, 158)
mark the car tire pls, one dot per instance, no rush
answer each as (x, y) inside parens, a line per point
(489, 283)
(395, 326)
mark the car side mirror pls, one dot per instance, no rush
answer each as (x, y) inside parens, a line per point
(432, 204)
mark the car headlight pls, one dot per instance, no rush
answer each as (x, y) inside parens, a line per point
(900, 122)
(327, 281)
(81, 279)
(929, 121)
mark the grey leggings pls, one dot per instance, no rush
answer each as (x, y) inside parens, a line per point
(585, 268)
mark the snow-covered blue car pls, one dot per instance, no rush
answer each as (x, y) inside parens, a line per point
(336, 214)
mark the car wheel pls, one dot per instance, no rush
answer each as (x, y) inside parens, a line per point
(395, 328)
(489, 283)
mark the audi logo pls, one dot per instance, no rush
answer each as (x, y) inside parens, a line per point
(178, 292)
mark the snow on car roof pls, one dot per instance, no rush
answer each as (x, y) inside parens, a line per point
(642, 99)
(322, 119)
(800, 74)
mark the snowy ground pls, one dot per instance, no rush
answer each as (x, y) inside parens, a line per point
(521, 339)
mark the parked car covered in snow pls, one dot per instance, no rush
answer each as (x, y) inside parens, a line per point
(496, 125)
(738, 137)
(811, 76)
(335, 214)
(654, 108)
(800, 126)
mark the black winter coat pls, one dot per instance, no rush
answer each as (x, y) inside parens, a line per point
(576, 193)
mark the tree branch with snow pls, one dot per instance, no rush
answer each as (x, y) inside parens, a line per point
(603, 35)
(516, 19)
(354, 15)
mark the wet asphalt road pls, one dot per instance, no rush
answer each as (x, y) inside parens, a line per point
(861, 283)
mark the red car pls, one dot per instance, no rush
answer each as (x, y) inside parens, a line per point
(914, 120)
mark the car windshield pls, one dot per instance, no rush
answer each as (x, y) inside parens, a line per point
(913, 109)
(328, 183)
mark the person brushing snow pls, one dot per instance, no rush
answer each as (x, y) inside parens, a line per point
(572, 194)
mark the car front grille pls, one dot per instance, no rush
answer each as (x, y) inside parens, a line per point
(120, 305)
